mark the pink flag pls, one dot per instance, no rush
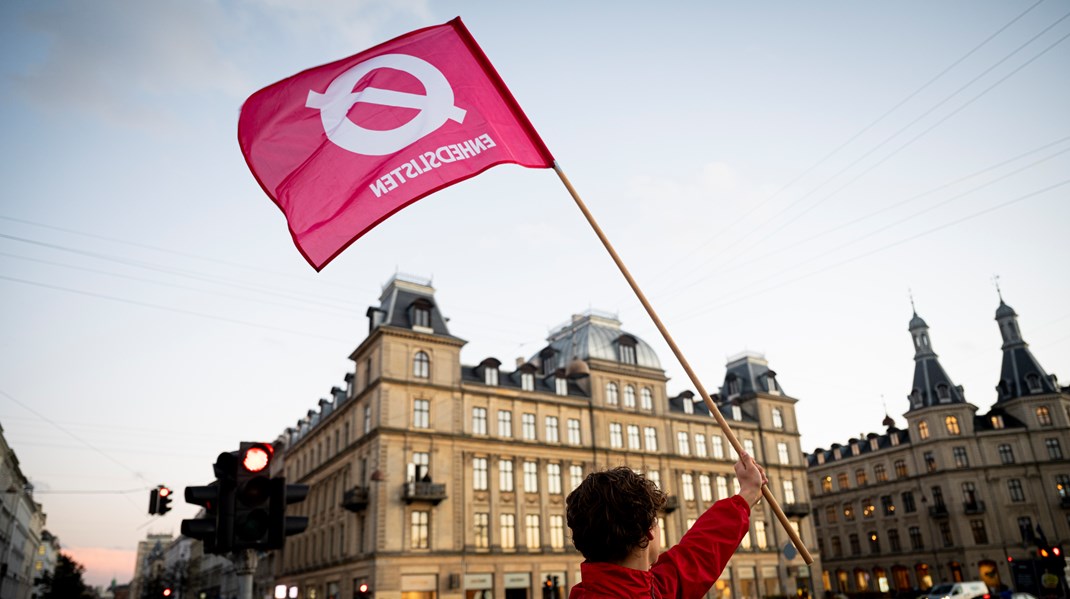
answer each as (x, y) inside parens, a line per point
(341, 147)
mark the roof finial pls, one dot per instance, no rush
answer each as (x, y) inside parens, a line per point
(910, 292)
(995, 281)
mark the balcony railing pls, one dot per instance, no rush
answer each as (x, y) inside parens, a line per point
(797, 510)
(672, 502)
(938, 511)
(974, 507)
(355, 499)
(423, 491)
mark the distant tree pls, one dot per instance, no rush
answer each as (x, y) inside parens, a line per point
(66, 581)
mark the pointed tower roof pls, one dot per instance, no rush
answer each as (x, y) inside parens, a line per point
(932, 385)
(1021, 374)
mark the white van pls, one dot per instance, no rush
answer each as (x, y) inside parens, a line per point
(960, 590)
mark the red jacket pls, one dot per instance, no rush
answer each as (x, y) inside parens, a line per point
(687, 570)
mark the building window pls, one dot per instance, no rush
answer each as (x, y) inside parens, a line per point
(887, 505)
(737, 412)
(856, 547)
(552, 433)
(826, 484)
(646, 399)
(629, 396)
(575, 474)
(633, 437)
(557, 532)
(894, 438)
(722, 487)
(573, 431)
(505, 476)
(952, 425)
(531, 527)
(860, 477)
(759, 535)
(479, 421)
(900, 469)
(945, 533)
(490, 376)
(421, 365)
(650, 435)
(482, 530)
(527, 381)
(505, 423)
(421, 413)
(419, 529)
(611, 394)
(367, 419)
(943, 393)
(841, 481)
(980, 536)
(789, 491)
(682, 445)
(655, 477)
(1055, 451)
(880, 474)
(531, 477)
(748, 446)
(687, 404)
(930, 461)
(961, 459)
(508, 526)
(831, 515)
(421, 315)
(916, 544)
(923, 429)
(479, 474)
(553, 479)
(782, 453)
(1025, 528)
(893, 540)
(527, 426)
(705, 487)
(1014, 487)
(778, 418)
(997, 422)
(627, 351)
(560, 385)
(874, 443)
(874, 542)
(616, 438)
(938, 497)
(848, 511)
(700, 445)
(837, 547)
(1062, 486)
(1032, 380)
(1043, 416)
(718, 446)
(688, 486)
(1006, 454)
(868, 508)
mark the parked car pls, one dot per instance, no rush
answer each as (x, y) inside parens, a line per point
(960, 590)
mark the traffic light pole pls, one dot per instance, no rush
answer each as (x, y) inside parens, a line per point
(245, 567)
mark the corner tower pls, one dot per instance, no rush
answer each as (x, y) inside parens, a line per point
(932, 385)
(1021, 375)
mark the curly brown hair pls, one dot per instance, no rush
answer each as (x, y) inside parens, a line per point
(611, 512)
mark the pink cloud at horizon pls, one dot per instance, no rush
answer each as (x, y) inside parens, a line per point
(102, 564)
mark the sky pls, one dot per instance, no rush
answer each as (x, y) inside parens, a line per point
(779, 177)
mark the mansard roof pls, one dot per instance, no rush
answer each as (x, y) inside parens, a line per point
(594, 335)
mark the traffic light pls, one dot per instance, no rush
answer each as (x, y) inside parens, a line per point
(252, 522)
(363, 591)
(548, 588)
(167, 592)
(154, 500)
(217, 499)
(163, 500)
(282, 525)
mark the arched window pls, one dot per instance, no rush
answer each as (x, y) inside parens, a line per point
(646, 399)
(611, 394)
(421, 365)
(952, 424)
(1043, 416)
(923, 429)
(900, 469)
(629, 396)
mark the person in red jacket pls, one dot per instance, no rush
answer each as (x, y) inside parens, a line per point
(613, 515)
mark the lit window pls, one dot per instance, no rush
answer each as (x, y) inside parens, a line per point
(481, 530)
(419, 529)
(923, 429)
(997, 422)
(611, 394)
(1043, 416)
(421, 413)
(646, 399)
(952, 424)
(421, 365)
(557, 532)
(629, 396)
(848, 511)
(879, 473)
(508, 528)
(826, 484)
(900, 469)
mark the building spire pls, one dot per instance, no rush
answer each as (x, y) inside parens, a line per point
(932, 386)
(1021, 375)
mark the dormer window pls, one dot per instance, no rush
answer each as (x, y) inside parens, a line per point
(873, 444)
(490, 376)
(527, 381)
(737, 413)
(997, 422)
(733, 385)
(915, 398)
(943, 393)
(894, 438)
(420, 314)
(854, 448)
(561, 385)
(1033, 382)
(549, 360)
(626, 347)
(689, 406)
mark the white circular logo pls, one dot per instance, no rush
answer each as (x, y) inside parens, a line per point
(435, 106)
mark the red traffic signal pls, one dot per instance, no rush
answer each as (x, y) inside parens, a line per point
(167, 592)
(256, 458)
(363, 588)
(1056, 551)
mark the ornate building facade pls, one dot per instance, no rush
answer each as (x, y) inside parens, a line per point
(958, 495)
(434, 479)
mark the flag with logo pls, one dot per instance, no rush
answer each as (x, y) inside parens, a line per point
(341, 147)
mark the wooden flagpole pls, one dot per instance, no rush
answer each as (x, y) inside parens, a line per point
(795, 539)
